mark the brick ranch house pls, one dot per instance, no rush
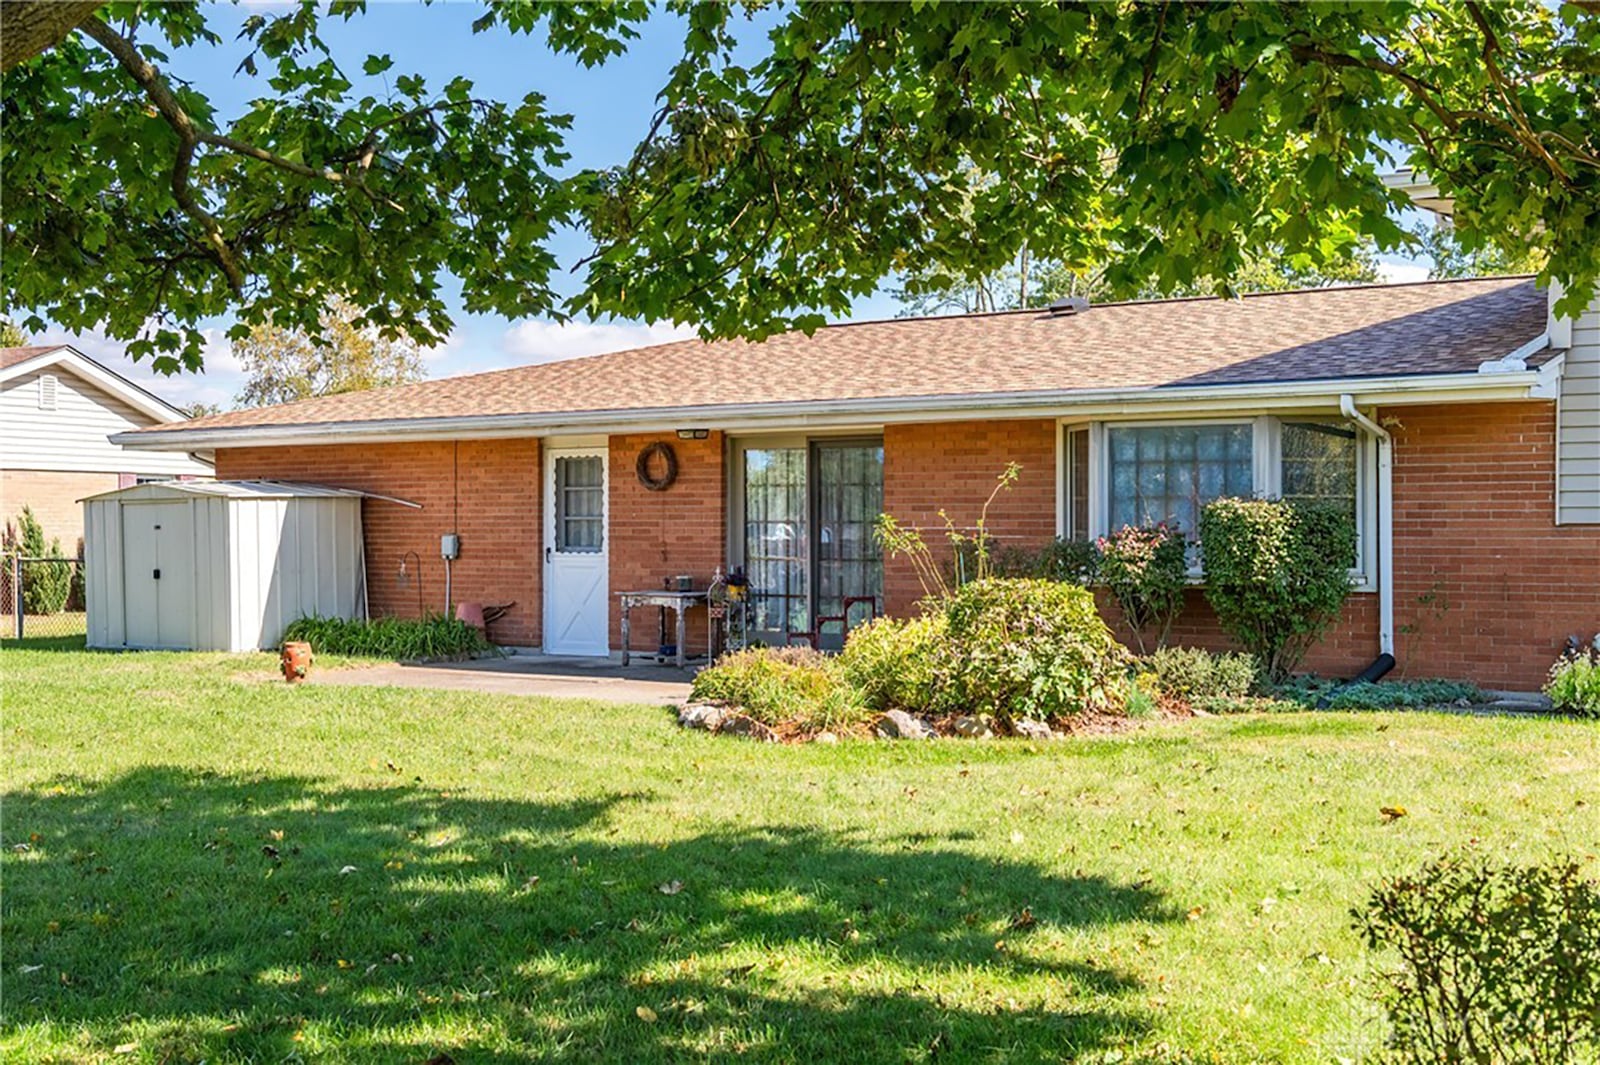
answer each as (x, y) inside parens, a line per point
(1459, 420)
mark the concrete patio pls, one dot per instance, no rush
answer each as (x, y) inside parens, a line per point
(527, 673)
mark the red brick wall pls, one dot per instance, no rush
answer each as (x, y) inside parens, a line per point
(497, 484)
(955, 466)
(1487, 586)
(681, 529)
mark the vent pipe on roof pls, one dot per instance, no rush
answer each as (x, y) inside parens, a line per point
(1069, 306)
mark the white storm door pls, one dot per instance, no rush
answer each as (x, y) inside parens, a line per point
(576, 567)
(158, 576)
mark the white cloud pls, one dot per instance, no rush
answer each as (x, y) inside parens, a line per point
(537, 340)
(1394, 273)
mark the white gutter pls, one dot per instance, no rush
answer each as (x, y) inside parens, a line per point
(766, 416)
(1347, 406)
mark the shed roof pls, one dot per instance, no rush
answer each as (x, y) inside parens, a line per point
(234, 490)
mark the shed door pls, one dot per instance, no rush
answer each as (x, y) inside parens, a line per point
(576, 615)
(158, 575)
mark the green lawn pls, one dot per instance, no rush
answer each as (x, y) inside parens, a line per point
(200, 863)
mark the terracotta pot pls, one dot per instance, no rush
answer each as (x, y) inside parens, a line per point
(296, 661)
(472, 614)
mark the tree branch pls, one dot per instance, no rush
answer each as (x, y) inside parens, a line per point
(33, 27)
(189, 137)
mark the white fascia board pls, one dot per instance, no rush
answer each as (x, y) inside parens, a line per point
(75, 362)
(767, 417)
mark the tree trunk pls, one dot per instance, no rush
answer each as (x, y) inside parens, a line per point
(30, 27)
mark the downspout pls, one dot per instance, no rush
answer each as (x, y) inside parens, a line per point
(1347, 406)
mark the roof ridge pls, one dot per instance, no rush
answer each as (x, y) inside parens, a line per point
(1304, 290)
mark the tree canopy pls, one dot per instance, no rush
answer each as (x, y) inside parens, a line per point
(283, 365)
(1174, 144)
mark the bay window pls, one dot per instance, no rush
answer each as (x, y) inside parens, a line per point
(1142, 473)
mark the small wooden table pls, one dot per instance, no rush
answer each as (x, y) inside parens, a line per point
(677, 602)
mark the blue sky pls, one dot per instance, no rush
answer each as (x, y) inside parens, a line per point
(611, 107)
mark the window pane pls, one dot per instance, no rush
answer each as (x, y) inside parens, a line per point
(776, 542)
(849, 500)
(1168, 473)
(580, 499)
(1319, 464)
(1078, 485)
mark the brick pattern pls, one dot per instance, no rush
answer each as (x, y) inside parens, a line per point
(53, 497)
(1344, 650)
(1487, 586)
(655, 535)
(493, 484)
(955, 466)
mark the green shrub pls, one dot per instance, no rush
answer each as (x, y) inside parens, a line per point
(1032, 649)
(1189, 673)
(783, 686)
(1276, 573)
(1574, 685)
(1378, 695)
(1495, 963)
(1075, 561)
(400, 639)
(45, 587)
(1243, 704)
(1145, 569)
(896, 664)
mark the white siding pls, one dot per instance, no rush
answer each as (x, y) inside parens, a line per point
(1578, 425)
(73, 436)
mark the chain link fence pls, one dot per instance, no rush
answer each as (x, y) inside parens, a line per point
(41, 598)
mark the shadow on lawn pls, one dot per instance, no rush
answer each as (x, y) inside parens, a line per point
(224, 915)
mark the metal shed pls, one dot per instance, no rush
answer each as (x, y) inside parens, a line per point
(219, 565)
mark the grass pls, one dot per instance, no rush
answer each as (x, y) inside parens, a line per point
(203, 863)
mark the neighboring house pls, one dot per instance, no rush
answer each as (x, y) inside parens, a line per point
(57, 409)
(1457, 419)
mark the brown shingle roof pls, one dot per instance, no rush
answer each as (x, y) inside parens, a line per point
(9, 357)
(1310, 335)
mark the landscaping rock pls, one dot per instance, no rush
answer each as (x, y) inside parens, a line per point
(748, 727)
(899, 725)
(708, 716)
(827, 739)
(1032, 730)
(972, 727)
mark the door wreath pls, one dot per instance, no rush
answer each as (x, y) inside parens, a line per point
(657, 482)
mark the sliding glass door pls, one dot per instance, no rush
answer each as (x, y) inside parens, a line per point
(808, 545)
(777, 544)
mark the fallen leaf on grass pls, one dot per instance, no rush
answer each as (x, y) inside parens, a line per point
(646, 1014)
(1196, 912)
(1025, 919)
(25, 969)
(125, 1048)
(347, 870)
(671, 887)
(1392, 813)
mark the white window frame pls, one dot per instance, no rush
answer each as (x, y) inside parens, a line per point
(1267, 469)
